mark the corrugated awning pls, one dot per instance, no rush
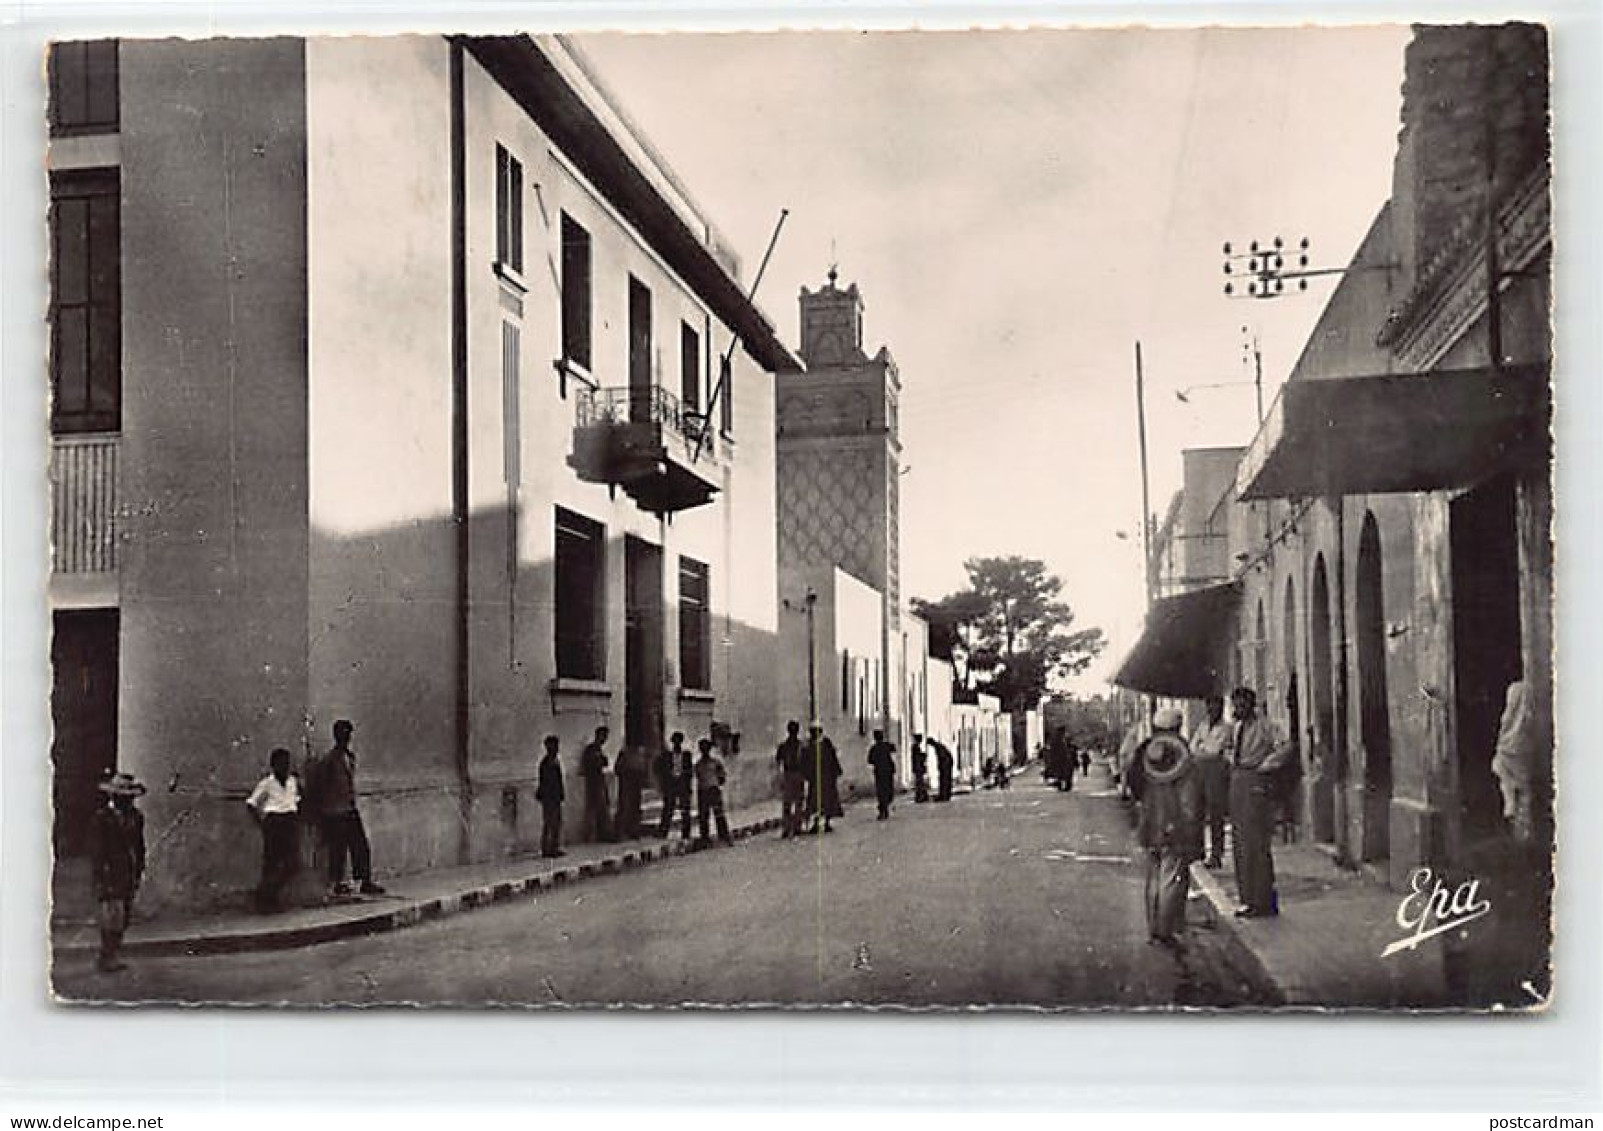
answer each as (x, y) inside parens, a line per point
(1395, 432)
(1179, 650)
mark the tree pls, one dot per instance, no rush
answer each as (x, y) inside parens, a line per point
(1017, 633)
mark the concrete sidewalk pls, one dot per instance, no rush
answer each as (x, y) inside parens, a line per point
(1327, 947)
(409, 899)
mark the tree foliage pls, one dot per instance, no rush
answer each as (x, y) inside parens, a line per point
(1018, 635)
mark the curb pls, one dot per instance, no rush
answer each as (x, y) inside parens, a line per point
(1238, 954)
(415, 912)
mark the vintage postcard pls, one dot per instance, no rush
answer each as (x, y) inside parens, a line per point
(1027, 519)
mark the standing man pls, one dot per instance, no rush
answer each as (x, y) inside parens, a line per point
(921, 771)
(1211, 747)
(550, 793)
(792, 781)
(275, 805)
(882, 756)
(710, 792)
(631, 771)
(1259, 755)
(823, 779)
(674, 769)
(334, 787)
(943, 771)
(117, 855)
(593, 772)
(1163, 778)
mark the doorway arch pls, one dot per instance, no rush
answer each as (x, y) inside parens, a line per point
(1374, 708)
(1325, 754)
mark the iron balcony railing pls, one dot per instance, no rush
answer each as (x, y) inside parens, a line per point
(83, 504)
(629, 404)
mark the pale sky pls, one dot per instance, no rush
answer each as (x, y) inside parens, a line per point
(1018, 208)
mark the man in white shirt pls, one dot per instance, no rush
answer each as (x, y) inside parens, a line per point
(275, 803)
(1211, 746)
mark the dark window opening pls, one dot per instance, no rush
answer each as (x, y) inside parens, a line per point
(726, 405)
(580, 597)
(83, 87)
(508, 210)
(640, 381)
(695, 625)
(85, 303)
(575, 293)
(689, 368)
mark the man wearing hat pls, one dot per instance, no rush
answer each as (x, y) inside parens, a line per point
(1163, 777)
(333, 786)
(117, 851)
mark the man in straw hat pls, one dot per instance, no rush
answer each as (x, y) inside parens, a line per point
(117, 852)
(1163, 777)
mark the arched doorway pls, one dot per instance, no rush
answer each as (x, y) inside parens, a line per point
(1260, 657)
(1327, 777)
(1374, 709)
(1291, 808)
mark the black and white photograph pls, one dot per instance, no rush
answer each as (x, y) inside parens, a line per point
(1050, 518)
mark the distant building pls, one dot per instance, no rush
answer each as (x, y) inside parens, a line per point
(383, 378)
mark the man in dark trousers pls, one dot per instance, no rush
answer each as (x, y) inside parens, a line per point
(117, 855)
(710, 792)
(593, 772)
(823, 779)
(275, 805)
(334, 788)
(791, 759)
(882, 756)
(921, 771)
(943, 772)
(550, 793)
(674, 771)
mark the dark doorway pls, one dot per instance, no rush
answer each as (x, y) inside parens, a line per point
(83, 709)
(639, 351)
(1486, 640)
(643, 646)
(1291, 805)
(1260, 658)
(1321, 702)
(1374, 709)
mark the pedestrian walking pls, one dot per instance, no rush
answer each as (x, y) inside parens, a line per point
(275, 805)
(1071, 763)
(593, 773)
(117, 858)
(710, 793)
(1163, 779)
(791, 759)
(1260, 755)
(550, 793)
(882, 756)
(1211, 747)
(674, 769)
(1085, 763)
(631, 774)
(823, 779)
(921, 771)
(332, 783)
(943, 771)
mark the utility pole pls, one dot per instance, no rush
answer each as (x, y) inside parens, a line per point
(1251, 343)
(1146, 501)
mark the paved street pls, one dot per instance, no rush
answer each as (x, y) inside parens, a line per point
(1027, 896)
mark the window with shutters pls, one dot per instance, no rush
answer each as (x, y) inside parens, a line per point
(85, 302)
(508, 210)
(695, 625)
(83, 87)
(581, 585)
(575, 293)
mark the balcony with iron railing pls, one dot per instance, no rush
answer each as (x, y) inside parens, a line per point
(641, 438)
(83, 511)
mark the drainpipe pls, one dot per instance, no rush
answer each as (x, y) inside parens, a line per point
(459, 444)
(1343, 735)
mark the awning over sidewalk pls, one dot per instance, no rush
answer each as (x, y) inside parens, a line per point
(1179, 651)
(1395, 432)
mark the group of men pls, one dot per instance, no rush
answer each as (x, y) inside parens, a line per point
(677, 775)
(810, 772)
(1063, 759)
(1236, 772)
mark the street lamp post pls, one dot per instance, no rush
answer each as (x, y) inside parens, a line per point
(812, 663)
